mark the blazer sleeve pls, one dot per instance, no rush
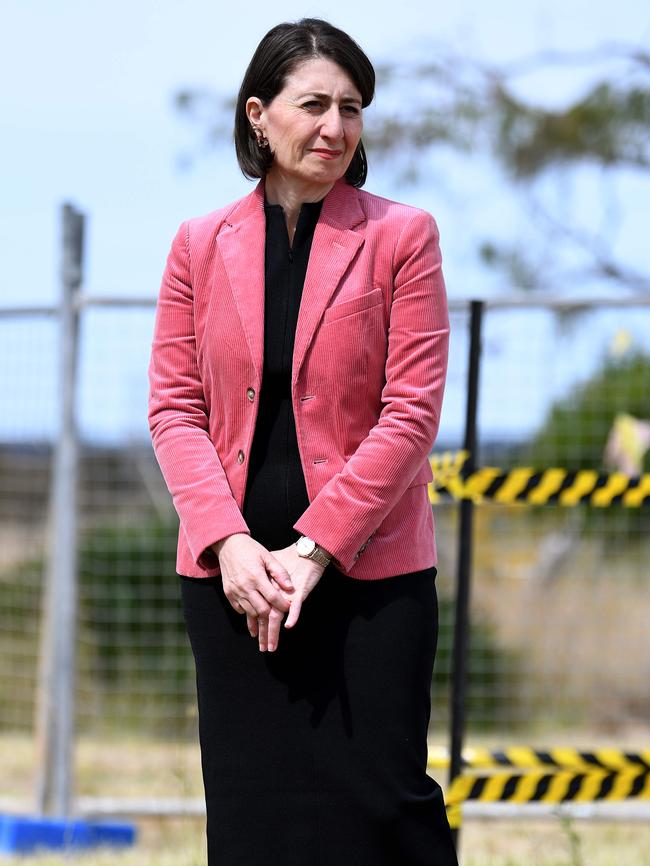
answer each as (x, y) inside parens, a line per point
(178, 416)
(352, 504)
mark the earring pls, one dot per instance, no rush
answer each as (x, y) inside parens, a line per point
(262, 140)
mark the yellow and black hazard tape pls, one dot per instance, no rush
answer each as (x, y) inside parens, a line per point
(527, 757)
(541, 787)
(535, 487)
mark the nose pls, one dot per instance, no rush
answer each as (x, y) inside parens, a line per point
(332, 126)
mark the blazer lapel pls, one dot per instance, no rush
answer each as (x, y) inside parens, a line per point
(241, 244)
(333, 247)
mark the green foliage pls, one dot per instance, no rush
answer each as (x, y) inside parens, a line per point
(608, 125)
(574, 840)
(134, 663)
(134, 647)
(494, 673)
(21, 597)
(576, 430)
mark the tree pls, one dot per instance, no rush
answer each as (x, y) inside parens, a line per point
(576, 429)
(475, 109)
(574, 435)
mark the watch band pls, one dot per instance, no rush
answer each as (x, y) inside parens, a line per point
(320, 555)
(308, 549)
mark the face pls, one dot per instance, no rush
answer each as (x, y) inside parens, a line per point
(313, 125)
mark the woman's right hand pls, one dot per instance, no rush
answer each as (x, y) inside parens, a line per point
(247, 572)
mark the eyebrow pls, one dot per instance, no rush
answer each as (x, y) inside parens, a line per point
(326, 96)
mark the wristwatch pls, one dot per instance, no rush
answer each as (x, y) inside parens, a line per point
(308, 548)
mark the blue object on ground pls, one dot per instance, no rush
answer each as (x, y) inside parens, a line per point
(26, 833)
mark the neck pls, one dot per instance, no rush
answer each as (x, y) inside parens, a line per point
(291, 192)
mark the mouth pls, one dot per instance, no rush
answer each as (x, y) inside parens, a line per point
(327, 154)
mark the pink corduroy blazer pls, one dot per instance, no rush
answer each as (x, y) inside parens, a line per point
(368, 376)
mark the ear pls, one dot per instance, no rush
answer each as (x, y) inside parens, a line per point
(254, 109)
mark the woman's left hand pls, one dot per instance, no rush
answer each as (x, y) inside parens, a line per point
(304, 574)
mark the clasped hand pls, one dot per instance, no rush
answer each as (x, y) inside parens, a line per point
(265, 584)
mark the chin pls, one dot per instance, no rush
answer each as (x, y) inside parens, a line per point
(324, 170)
(329, 173)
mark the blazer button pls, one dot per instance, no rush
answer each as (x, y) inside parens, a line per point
(251, 394)
(240, 457)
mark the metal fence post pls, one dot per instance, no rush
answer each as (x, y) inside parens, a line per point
(55, 700)
(464, 572)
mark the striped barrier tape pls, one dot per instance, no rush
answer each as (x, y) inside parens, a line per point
(535, 487)
(528, 758)
(541, 787)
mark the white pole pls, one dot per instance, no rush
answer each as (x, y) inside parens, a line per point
(55, 708)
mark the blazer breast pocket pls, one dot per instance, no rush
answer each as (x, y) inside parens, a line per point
(358, 304)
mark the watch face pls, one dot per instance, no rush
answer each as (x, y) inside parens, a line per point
(305, 545)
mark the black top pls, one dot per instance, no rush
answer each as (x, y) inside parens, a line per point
(276, 495)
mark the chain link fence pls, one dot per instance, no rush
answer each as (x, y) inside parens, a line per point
(559, 643)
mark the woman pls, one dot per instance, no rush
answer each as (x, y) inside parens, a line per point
(297, 375)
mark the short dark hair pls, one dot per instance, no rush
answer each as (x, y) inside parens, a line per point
(283, 48)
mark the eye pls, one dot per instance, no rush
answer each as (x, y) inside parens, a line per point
(315, 103)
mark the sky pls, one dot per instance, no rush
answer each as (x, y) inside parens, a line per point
(86, 116)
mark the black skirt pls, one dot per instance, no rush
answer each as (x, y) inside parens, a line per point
(315, 754)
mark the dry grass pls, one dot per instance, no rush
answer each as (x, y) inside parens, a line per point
(526, 843)
(181, 843)
(158, 769)
(574, 610)
(154, 768)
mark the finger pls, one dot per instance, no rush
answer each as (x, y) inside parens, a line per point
(234, 595)
(246, 605)
(263, 632)
(275, 621)
(278, 572)
(270, 597)
(234, 603)
(259, 602)
(251, 622)
(251, 613)
(294, 612)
